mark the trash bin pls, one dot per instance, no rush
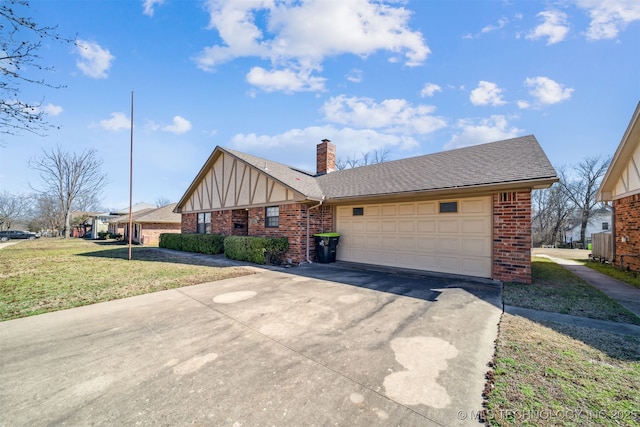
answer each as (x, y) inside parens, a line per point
(326, 246)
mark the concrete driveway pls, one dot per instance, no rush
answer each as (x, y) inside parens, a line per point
(327, 345)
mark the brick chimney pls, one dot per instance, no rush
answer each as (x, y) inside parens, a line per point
(325, 157)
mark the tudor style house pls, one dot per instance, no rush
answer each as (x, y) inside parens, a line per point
(465, 211)
(621, 186)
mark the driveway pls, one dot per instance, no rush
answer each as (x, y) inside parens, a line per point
(327, 345)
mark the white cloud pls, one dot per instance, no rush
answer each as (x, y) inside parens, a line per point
(179, 126)
(609, 17)
(490, 28)
(52, 110)
(355, 76)
(554, 27)
(94, 61)
(300, 35)
(494, 128)
(430, 89)
(297, 147)
(487, 93)
(523, 105)
(547, 91)
(288, 81)
(148, 6)
(392, 115)
(118, 121)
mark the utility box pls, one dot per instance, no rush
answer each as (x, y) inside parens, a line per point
(326, 246)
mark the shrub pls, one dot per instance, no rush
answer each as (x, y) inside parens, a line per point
(258, 250)
(102, 235)
(209, 244)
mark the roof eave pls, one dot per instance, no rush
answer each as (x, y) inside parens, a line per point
(624, 151)
(481, 189)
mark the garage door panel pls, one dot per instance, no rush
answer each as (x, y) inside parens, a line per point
(406, 226)
(448, 226)
(416, 235)
(428, 226)
(476, 226)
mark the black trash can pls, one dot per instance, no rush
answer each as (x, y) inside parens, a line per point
(326, 246)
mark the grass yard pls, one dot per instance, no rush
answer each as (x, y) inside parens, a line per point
(553, 374)
(558, 290)
(46, 275)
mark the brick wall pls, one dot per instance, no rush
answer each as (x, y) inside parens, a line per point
(325, 157)
(627, 224)
(150, 234)
(189, 223)
(512, 237)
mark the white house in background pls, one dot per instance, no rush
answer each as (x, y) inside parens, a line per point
(601, 221)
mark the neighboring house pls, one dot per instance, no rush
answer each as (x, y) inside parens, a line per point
(621, 185)
(116, 223)
(148, 226)
(465, 211)
(600, 221)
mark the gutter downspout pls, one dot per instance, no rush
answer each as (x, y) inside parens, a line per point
(308, 219)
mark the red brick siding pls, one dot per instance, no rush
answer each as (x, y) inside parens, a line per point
(512, 237)
(221, 223)
(325, 157)
(150, 234)
(189, 223)
(627, 224)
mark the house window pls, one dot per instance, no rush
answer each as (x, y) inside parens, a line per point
(272, 217)
(448, 207)
(358, 211)
(204, 223)
(605, 225)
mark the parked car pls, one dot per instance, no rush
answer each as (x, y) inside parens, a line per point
(17, 234)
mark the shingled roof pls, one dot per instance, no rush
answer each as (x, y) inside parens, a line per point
(510, 162)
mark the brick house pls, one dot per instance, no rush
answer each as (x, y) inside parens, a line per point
(149, 223)
(621, 186)
(465, 211)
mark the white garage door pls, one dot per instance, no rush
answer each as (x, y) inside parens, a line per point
(448, 236)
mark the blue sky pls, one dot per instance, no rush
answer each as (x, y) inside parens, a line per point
(274, 77)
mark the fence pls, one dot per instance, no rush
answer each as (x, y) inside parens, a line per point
(602, 246)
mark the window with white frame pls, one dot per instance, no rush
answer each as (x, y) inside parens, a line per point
(204, 223)
(272, 217)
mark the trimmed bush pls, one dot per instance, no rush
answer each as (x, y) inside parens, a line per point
(258, 250)
(209, 244)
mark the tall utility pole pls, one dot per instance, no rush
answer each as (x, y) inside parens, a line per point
(131, 182)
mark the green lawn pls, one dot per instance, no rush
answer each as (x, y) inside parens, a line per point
(550, 374)
(54, 274)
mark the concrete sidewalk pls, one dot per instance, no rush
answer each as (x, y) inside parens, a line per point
(628, 296)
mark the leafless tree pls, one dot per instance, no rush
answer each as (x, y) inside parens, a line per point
(581, 185)
(69, 177)
(551, 208)
(20, 40)
(47, 215)
(13, 207)
(368, 158)
(162, 201)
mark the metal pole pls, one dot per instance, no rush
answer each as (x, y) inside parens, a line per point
(131, 181)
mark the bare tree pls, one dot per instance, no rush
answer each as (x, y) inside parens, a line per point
(20, 40)
(368, 158)
(162, 201)
(13, 207)
(551, 209)
(69, 177)
(581, 187)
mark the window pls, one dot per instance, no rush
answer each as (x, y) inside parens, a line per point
(358, 211)
(448, 207)
(204, 223)
(272, 217)
(605, 225)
